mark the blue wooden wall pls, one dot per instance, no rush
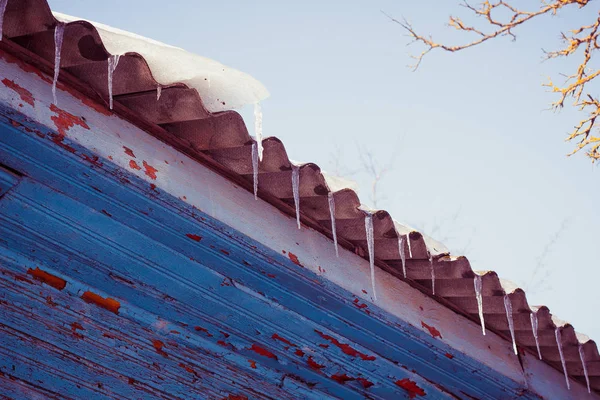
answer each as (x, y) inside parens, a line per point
(112, 289)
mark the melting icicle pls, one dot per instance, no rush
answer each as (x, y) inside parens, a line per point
(534, 329)
(332, 216)
(2, 9)
(112, 65)
(562, 357)
(59, 31)
(158, 92)
(255, 169)
(402, 254)
(478, 282)
(585, 371)
(432, 273)
(258, 128)
(371, 247)
(296, 191)
(408, 243)
(509, 317)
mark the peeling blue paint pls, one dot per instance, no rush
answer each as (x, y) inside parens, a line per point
(204, 311)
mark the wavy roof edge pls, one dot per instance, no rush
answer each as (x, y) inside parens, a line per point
(222, 137)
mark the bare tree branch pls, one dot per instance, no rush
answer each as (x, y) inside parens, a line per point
(501, 18)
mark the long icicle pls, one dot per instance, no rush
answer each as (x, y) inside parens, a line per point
(534, 329)
(158, 92)
(478, 282)
(558, 337)
(59, 31)
(2, 10)
(585, 371)
(258, 118)
(371, 248)
(331, 202)
(402, 254)
(511, 325)
(432, 272)
(255, 169)
(296, 191)
(408, 243)
(112, 65)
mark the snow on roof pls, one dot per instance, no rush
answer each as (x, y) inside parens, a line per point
(223, 88)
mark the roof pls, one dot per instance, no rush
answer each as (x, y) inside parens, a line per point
(221, 141)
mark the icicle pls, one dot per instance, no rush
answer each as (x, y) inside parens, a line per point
(296, 191)
(371, 247)
(112, 65)
(562, 357)
(408, 243)
(2, 9)
(59, 30)
(478, 282)
(402, 255)
(332, 216)
(585, 371)
(509, 317)
(255, 169)
(258, 117)
(534, 329)
(432, 273)
(158, 92)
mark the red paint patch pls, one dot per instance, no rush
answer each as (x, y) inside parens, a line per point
(58, 140)
(432, 330)
(194, 237)
(158, 346)
(65, 121)
(411, 387)
(313, 364)
(25, 67)
(281, 339)
(152, 186)
(325, 346)
(48, 279)
(109, 304)
(225, 334)
(134, 165)
(346, 349)
(224, 252)
(341, 378)
(23, 93)
(262, 351)
(252, 364)
(23, 279)
(129, 152)
(294, 259)
(365, 382)
(299, 353)
(450, 356)
(201, 329)
(74, 327)
(92, 160)
(50, 302)
(225, 344)
(150, 171)
(187, 368)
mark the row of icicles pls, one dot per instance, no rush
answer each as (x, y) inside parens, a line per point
(257, 155)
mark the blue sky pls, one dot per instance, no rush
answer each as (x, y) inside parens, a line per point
(478, 161)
